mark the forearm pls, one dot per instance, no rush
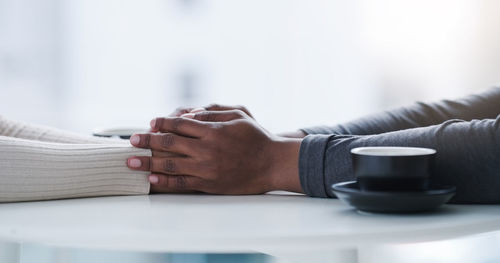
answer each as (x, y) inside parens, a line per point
(479, 106)
(468, 157)
(34, 170)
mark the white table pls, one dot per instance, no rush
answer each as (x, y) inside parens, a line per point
(284, 225)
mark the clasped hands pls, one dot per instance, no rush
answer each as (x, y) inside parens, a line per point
(218, 150)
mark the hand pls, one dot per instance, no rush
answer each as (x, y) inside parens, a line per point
(221, 152)
(188, 110)
(217, 107)
(212, 107)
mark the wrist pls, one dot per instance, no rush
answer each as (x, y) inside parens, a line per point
(284, 172)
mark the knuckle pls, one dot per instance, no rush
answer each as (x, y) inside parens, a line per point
(167, 140)
(146, 140)
(206, 116)
(181, 182)
(169, 166)
(176, 123)
(215, 127)
(214, 130)
(202, 116)
(219, 129)
(239, 112)
(159, 123)
(245, 110)
(213, 106)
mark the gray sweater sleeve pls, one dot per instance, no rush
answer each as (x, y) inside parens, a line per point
(465, 132)
(485, 105)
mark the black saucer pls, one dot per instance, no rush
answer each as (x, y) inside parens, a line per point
(392, 202)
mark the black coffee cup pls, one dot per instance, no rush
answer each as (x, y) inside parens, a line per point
(393, 168)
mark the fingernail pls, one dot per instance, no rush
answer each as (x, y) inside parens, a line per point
(134, 163)
(153, 179)
(197, 110)
(188, 115)
(153, 123)
(135, 139)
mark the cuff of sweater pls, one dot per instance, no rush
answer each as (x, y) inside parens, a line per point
(312, 164)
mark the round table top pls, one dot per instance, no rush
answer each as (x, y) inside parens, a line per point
(209, 223)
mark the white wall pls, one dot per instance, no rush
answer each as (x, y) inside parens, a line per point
(84, 64)
(29, 57)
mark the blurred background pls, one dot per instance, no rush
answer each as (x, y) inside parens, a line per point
(81, 64)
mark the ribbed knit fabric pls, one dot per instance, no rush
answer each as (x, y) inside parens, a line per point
(45, 163)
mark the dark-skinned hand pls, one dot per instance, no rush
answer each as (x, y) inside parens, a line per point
(212, 107)
(218, 107)
(219, 152)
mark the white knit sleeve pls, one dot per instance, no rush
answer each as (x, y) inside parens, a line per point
(35, 170)
(18, 129)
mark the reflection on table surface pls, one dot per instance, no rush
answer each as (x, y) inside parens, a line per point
(203, 228)
(481, 248)
(229, 224)
(43, 254)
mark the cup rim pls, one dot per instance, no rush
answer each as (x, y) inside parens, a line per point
(396, 151)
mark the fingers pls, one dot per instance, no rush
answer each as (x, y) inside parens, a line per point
(218, 107)
(167, 173)
(166, 154)
(161, 183)
(171, 165)
(166, 142)
(182, 126)
(216, 116)
(183, 110)
(197, 110)
(179, 111)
